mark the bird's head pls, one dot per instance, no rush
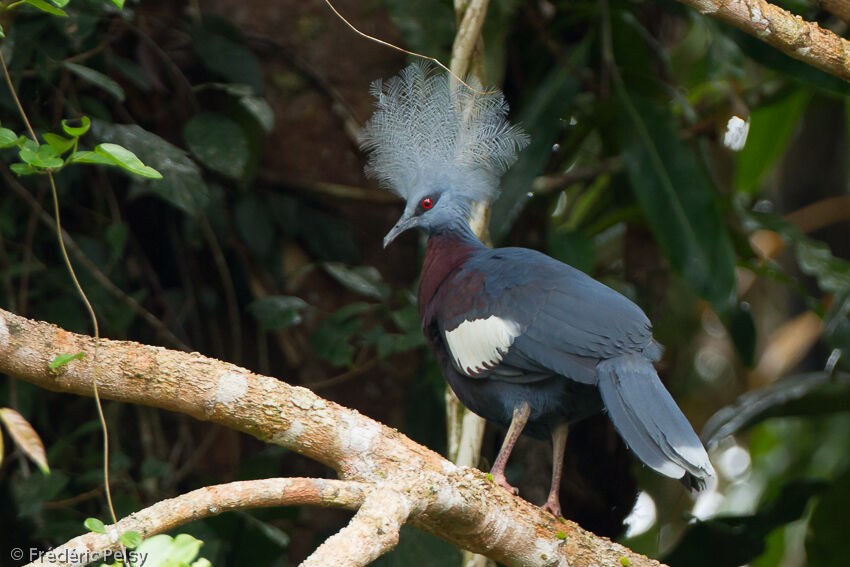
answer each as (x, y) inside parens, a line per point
(433, 209)
(440, 144)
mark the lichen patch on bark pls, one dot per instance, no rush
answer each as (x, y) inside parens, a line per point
(231, 387)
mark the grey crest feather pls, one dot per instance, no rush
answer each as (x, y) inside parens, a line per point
(426, 132)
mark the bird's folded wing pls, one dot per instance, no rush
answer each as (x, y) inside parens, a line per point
(523, 315)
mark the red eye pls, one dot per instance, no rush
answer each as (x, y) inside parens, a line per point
(427, 203)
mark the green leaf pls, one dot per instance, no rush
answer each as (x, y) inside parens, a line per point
(7, 138)
(127, 160)
(60, 3)
(97, 79)
(219, 143)
(218, 46)
(57, 142)
(256, 106)
(259, 108)
(771, 127)
(44, 157)
(541, 115)
(812, 394)
(31, 493)
(119, 3)
(813, 256)
(795, 69)
(25, 437)
(22, 169)
(365, 280)
(63, 359)
(76, 131)
(131, 539)
(132, 71)
(90, 157)
(678, 199)
(255, 225)
(742, 328)
(331, 339)
(182, 184)
(573, 248)
(164, 551)
(278, 312)
(389, 343)
(185, 548)
(43, 6)
(95, 525)
(116, 237)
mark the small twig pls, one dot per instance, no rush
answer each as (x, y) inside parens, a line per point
(68, 502)
(397, 48)
(229, 289)
(335, 190)
(175, 70)
(821, 214)
(372, 532)
(551, 183)
(198, 453)
(468, 36)
(203, 503)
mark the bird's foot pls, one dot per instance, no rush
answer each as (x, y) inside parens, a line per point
(499, 478)
(553, 505)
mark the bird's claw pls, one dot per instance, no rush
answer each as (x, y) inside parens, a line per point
(500, 480)
(553, 506)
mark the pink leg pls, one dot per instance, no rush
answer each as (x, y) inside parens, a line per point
(521, 414)
(559, 442)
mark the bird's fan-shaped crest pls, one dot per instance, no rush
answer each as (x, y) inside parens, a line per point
(429, 130)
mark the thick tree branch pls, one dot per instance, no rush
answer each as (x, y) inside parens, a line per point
(790, 34)
(458, 504)
(204, 502)
(372, 532)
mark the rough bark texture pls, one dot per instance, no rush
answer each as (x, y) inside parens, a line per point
(791, 34)
(458, 504)
(203, 503)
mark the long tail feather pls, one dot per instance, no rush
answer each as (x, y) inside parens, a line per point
(650, 422)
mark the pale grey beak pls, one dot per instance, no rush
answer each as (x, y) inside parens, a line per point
(404, 223)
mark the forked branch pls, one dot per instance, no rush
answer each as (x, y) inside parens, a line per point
(458, 504)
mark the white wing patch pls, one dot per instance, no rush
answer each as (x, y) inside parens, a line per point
(481, 343)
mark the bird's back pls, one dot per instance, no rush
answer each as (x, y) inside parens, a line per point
(469, 294)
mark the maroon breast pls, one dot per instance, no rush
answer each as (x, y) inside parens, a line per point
(445, 254)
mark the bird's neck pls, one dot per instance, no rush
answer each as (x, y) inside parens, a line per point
(445, 253)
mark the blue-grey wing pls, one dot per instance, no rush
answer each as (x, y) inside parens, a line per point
(538, 316)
